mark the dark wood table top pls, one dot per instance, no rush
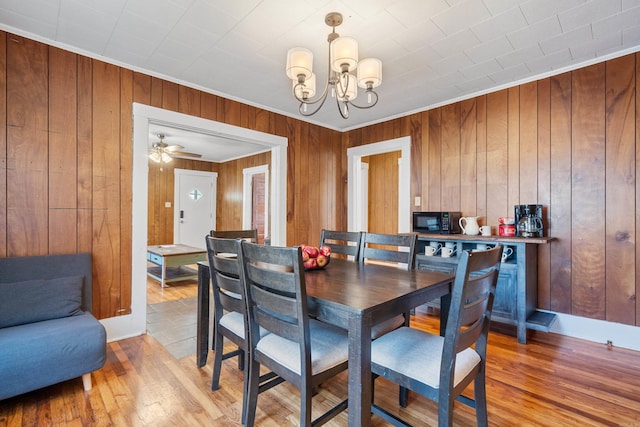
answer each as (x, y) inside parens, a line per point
(360, 288)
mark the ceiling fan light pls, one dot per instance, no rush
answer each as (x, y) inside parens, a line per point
(369, 72)
(155, 157)
(307, 89)
(343, 51)
(299, 62)
(166, 158)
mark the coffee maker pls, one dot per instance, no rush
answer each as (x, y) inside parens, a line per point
(528, 219)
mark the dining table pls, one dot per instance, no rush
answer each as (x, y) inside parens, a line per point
(354, 296)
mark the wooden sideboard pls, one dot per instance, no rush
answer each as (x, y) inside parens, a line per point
(516, 297)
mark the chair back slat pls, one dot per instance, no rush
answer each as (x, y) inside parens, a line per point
(399, 248)
(250, 235)
(342, 242)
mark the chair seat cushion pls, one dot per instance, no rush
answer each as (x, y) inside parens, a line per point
(417, 354)
(234, 322)
(387, 326)
(329, 348)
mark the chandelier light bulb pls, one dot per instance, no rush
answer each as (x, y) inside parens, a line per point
(369, 73)
(299, 62)
(347, 88)
(343, 54)
(305, 90)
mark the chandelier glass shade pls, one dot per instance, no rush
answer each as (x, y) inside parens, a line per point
(345, 74)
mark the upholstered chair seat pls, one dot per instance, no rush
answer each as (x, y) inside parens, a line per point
(421, 356)
(329, 348)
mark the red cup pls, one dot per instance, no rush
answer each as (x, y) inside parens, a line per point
(507, 230)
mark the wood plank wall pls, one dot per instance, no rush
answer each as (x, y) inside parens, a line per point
(66, 160)
(567, 142)
(570, 142)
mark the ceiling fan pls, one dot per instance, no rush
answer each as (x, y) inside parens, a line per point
(161, 152)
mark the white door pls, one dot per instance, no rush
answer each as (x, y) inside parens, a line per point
(195, 206)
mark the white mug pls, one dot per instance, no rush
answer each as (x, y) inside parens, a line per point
(450, 244)
(448, 252)
(430, 250)
(506, 253)
(436, 245)
(482, 247)
(485, 230)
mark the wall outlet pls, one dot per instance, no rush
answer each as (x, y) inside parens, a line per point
(167, 204)
(417, 201)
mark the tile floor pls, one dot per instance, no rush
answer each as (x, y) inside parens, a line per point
(173, 324)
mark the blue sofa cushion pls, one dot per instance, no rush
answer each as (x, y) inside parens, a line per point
(39, 354)
(37, 300)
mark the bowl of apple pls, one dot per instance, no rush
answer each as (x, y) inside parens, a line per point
(314, 258)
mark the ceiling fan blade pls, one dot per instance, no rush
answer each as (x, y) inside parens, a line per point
(185, 154)
(173, 147)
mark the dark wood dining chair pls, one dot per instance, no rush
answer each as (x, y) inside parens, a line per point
(346, 243)
(229, 308)
(397, 249)
(303, 351)
(440, 368)
(250, 234)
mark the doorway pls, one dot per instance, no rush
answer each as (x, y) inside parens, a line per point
(356, 186)
(134, 324)
(255, 200)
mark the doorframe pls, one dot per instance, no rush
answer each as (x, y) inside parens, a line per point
(355, 185)
(177, 173)
(134, 324)
(247, 195)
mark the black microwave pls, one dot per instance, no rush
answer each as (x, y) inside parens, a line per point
(436, 222)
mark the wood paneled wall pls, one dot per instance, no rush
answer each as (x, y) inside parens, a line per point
(569, 142)
(66, 161)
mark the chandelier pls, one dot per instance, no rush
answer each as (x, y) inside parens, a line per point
(345, 74)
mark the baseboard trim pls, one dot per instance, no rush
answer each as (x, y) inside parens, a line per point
(599, 331)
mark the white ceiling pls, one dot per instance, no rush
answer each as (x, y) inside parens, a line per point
(433, 51)
(212, 148)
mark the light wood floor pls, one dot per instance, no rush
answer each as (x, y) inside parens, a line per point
(551, 381)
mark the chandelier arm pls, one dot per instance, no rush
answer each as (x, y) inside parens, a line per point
(364, 107)
(307, 101)
(321, 100)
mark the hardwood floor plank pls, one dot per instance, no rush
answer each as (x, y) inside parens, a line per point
(552, 380)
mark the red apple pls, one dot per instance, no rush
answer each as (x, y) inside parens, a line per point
(325, 250)
(305, 256)
(321, 260)
(310, 263)
(312, 251)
